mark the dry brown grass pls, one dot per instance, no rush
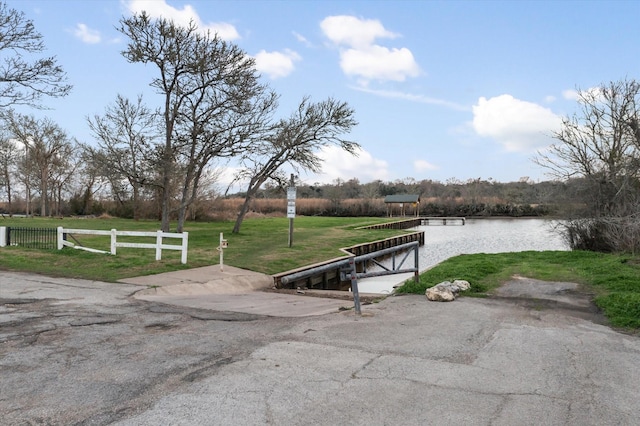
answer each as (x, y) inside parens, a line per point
(227, 209)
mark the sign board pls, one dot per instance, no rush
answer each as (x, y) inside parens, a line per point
(291, 202)
(291, 193)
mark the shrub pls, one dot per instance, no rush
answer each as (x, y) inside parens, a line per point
(604, 235)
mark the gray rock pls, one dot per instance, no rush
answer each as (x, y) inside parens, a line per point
(446, 291)
(462, 285)
(439, 293)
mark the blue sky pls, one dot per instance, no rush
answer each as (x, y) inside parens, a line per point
(441, 89)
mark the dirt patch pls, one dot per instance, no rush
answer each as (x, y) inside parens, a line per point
(564, 297)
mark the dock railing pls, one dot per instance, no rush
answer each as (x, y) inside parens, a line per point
(348, 270)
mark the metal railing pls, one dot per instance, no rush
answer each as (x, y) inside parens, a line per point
(348, 268)
(38, 238)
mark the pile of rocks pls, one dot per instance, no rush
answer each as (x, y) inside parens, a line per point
(447, 291)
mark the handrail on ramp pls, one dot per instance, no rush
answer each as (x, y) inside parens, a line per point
(348, 268)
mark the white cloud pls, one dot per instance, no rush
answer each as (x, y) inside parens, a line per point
(276, 64)
(354, 32)
(361, 57)
(226, 180)
(338, 163)
(379, 63)
(570, 94)
(550, 99)
(423, 166)
(160, 8)
(86, 34)
(593, 94)
(302, 39)
(517, 125)
(413, 98)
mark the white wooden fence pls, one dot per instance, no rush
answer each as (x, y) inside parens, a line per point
(158, 245)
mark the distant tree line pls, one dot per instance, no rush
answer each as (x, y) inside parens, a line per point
(93, 195)
(470, 198)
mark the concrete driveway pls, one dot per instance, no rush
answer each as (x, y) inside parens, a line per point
(81, 352)
(231, 290)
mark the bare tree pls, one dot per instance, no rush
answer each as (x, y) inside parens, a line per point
(90, 180)
(600, 148)
(9, 156)
(221, 121)
(600, 144)
(24, 78)
(213, 101)
(62, 175)
(25, 175)
(296, 141)
(127, 136)
(46, 145)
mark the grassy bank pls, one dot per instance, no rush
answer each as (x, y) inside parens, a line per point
(614, 279)
(262, 246)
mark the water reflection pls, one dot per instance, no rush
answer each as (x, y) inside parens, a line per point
(477, 236)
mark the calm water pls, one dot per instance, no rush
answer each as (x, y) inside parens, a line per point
(477, 236)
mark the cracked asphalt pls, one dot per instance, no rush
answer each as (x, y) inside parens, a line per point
(88, 353)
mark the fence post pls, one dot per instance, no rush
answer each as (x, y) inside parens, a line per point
(354, 285)
(114, 238)
(3, 236)
(185, 246)
(60, 237)
(159, 245)
(416, 263)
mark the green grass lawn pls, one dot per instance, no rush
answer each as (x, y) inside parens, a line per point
(262, 246)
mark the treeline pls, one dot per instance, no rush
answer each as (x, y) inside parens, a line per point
(354, 207)
(475, 197)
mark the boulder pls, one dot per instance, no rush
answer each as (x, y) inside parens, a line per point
(461, 284)
(440, 294)
(446, 291)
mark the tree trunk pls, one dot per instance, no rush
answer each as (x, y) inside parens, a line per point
(181, 218)
(165, 225)
(44, 193)
(166, 198)
(184, 203)
(28, 191)
(243, 211)
(167, 168)
(7, 179)
(59, 201)
(136, 208)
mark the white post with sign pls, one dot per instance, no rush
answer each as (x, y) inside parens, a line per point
(291, 208)
(223, 245)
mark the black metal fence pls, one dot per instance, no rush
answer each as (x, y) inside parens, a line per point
(40, 238)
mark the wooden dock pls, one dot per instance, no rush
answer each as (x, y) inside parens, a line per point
(425, 221)
(419, 221)
(329, 279)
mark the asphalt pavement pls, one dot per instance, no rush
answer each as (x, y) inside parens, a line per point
(85, 352)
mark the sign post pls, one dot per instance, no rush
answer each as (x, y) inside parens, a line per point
(291, 208)
(223, 245)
